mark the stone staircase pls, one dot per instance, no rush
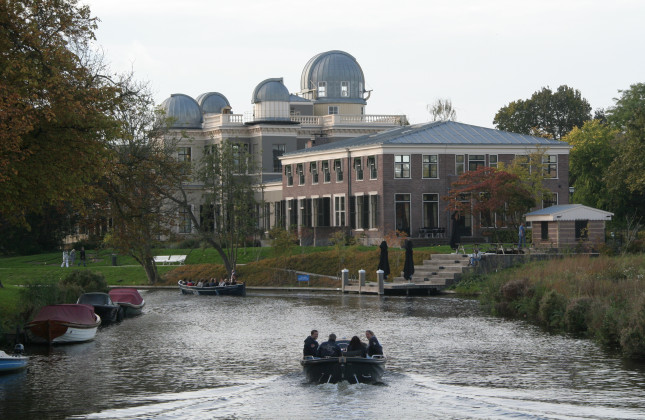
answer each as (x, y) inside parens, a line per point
(441, 270)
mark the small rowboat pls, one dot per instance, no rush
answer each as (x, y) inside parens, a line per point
(233, 289)
(66, 323)
(10, 363)
(129, 299)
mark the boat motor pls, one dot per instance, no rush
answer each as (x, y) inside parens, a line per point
(19, 349)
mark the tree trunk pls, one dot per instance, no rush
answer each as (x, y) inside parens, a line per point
(151, 270)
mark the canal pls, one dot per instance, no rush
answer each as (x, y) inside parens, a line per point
(201, 357)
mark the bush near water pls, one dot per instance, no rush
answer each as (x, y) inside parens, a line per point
(600, 298)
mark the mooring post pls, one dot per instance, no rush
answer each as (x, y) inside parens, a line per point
(345, 279)
(361, 280)
(380, 275)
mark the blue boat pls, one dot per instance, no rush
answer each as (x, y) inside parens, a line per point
(10, 363)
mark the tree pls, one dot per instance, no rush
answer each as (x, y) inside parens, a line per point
(496, 195)
(228, 215)
(530, 170)
(593, 151)
(442, 110)
(546, 113)
(56, 106)
(627, 107)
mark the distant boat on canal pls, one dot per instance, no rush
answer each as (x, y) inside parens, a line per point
(232, 289)
(11, 363)
(65, 323)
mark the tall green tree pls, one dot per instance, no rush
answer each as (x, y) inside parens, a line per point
(628, 106)
(546, 113)
(530, 170)
(57, 104)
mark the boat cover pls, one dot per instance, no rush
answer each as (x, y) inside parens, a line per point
(76, 313)
(131, 296)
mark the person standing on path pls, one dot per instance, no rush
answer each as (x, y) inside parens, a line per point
(82, 257)
(521, 236)
(72, 257)
(65, 259)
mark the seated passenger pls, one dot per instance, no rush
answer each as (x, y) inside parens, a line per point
(311, 345)
(200, 283)
(329, 348)
(356, 348)
(373, 347)
(190, 283)
(475, 257)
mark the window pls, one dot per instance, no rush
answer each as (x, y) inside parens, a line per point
(524, 161)
(289, 175)
(358, 167)
(313, 168)
(344, 89)
(401, 166)
(459, 164)
(373, 211)
(492, 161)
(322, 89)
(185, 222)
(240, 151)
(550, 166)
(363, 211)
(402, 212)
(476, 161)
(339, 210)
(321, 211)
(338, 168)
(326, 173)
(207, 217)
(582, 229)
(371, 164)
(305, 212)
(430, 210)
(549, 199)
(278, 150)
(183, 154)
(332, 110)
(430, 166)
(300, 170)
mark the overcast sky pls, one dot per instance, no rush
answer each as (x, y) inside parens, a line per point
(481, 54)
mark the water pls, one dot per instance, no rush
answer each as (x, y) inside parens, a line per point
(203, 357)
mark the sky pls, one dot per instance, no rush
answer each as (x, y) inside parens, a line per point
(479, 54)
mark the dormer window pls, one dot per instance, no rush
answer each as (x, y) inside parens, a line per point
(322, 89)
(344, 89)
(333, 110)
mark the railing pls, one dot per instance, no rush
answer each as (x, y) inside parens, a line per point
(213, 120)
(307, 120)
(335, 120)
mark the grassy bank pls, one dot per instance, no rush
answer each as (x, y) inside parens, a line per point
(600, 298)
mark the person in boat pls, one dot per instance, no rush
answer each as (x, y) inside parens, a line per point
(311, 344)
(373, 346)
(190, 283)
(356, 348)
(222, 282)
(200, 283)
(329, 348)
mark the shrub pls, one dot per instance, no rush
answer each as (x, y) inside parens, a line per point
(632, 337)
(576, 317)
(552, 308)
(81, 281)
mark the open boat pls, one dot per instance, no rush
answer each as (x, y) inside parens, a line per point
(233, 289)
(354, 369)
(129, 299)
(66, 323)
(10, 363)
(103, 306)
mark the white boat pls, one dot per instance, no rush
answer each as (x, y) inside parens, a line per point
(66, 323)
(10, 363)
(129, 299)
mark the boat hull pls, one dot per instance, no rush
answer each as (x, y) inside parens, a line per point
(130, 309)
(351, 369)
(60, 332)
(11, 364)
(233, 290)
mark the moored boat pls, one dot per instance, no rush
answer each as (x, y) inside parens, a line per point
(129, 299)
(65, 323)
(232, 289)
(103, 306)
(10, 363)
(353, 369)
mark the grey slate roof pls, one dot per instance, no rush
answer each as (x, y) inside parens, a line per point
(436, 133)
(184, 110)
(270, 90)
(296, 98)
(334, 67)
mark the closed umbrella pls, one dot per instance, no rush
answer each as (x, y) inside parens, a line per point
(384, 262)
(408, 266)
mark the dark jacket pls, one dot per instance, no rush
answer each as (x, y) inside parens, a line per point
(356, 352)
(311, 347)
(374, 347)
(329, 349)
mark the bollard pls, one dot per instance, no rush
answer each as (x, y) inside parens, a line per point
(380, 274)
(345, 279)
(361, 277)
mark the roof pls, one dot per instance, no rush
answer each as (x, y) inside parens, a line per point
(184, 111)
(296, 98)
(436, 133)
(568, 212)
(212, 102)
(334, 67)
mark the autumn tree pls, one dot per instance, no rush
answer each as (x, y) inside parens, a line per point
(530, 169)
(442, 110)
(492, 194)
(57, 104)
(546, 113)
(227, 216)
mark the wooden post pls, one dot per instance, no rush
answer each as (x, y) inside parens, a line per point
(380, 274)
(344, 279)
